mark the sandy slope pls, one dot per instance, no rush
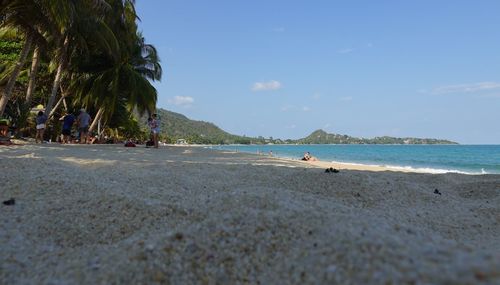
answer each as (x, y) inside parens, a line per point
(109, 214)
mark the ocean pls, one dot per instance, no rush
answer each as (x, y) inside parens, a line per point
(467, 159)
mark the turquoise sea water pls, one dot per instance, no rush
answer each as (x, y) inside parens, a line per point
(470, 159)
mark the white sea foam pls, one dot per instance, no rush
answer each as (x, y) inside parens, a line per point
(428, 170)
(415, 169)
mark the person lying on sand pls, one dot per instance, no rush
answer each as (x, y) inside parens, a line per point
(308, 157)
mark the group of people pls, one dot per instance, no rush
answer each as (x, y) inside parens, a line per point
(82, 121)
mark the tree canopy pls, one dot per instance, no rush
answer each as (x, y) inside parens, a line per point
(72, 54)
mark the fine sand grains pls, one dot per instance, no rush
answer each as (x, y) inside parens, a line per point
(188, 215)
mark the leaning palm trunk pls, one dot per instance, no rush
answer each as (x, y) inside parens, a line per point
(53, 111)
(62, 100)
(59, 74)
(32, 80)
(96, 120)
(29, 93)
(13, 77)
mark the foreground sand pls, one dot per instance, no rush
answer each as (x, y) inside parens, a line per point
(176, 215)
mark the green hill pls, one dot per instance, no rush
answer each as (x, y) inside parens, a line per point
(176, 126)
(322, 137)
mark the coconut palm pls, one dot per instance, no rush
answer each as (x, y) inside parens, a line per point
(124, 80)
(37, 19)
(26, 16)
(82, 26)
(95, 48)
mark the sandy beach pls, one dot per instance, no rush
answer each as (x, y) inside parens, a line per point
(106, 214)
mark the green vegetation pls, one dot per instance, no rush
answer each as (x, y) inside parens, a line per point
(175, 126)
(9, 51)
(67, 55)
(322, 137)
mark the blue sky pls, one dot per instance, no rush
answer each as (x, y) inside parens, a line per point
(362, 68)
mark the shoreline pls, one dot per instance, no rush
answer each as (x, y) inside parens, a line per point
(357, 166)
(439, 159)
(370, 167)
(345, 165)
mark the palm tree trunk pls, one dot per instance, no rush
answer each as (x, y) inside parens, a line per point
(25, 108)
(59, 73)
(64, 94)
(13, 77)
(63, 97)
(32, 80)
(97, 118)
(52, 112)
(65, 104)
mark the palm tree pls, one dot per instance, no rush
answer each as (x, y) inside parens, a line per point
(82, 25)
(123, 80)
(36, 19)
(26, 16)
(95, 48)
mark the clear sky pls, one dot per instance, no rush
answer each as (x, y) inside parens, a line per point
(422, 68)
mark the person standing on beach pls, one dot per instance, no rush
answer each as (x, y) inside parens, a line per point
(68, 120)
(83, 123)
(154, 124)
(41, 119)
